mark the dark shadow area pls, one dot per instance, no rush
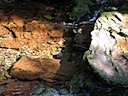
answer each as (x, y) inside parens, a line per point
(37, 9)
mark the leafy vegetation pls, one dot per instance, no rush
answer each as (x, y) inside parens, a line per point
(81, 8)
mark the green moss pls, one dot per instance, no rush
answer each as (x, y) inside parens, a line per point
(85, 55)
(121, 80)
(81, 80)
(118, 79)
(88, 84)
(75, 83)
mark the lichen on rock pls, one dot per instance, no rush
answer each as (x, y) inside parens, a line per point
(109, 47)
(7, 58)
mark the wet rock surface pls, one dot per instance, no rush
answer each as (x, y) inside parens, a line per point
(109, 47)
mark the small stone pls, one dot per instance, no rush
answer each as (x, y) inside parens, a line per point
(56, 34)
(19, 88)
(38, 91)
(50, 92)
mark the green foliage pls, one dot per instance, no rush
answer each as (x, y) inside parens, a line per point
(124, 7)
(75, 83)
(82, 7)
(81, 81)
(88, 84)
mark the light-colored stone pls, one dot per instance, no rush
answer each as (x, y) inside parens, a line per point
(109, 48)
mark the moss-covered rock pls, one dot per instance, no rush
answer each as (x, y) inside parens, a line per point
(109, 48)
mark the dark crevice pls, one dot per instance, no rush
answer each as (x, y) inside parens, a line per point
(113, 21)
(117, 17)
(122, 34)
(107, 17)
(14, 36)
(111, 35)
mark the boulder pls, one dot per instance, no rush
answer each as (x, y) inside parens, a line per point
(109, 48)
(28, 68)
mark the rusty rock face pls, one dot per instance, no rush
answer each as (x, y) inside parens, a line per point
(109, 47)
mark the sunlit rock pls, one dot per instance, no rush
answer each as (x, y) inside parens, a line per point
(109, 47)
(50, 70)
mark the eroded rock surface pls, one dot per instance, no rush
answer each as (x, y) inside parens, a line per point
(109, 47)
